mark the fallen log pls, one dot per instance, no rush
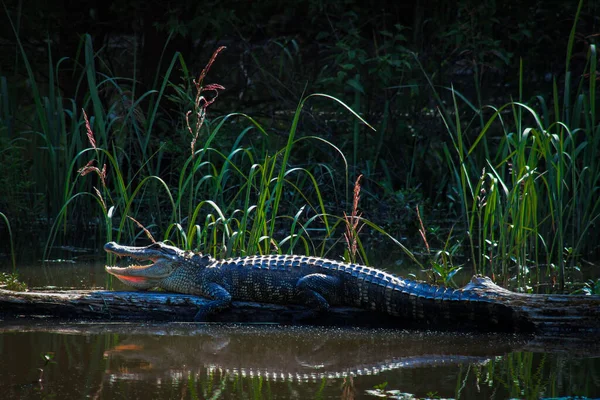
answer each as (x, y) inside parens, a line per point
(544, 314)
(155, 306)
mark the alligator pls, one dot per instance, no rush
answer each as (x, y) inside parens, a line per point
(311, 281)
(319, 283)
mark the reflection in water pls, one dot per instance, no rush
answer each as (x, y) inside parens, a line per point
(296, 353)
(189, 361)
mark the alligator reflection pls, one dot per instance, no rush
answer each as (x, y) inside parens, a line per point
(299, 354)
(106, 360)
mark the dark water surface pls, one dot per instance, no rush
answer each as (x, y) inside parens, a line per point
(190, 361)
(99, 360)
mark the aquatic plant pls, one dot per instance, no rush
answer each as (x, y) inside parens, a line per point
(528, 178)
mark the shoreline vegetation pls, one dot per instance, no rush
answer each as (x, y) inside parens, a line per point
(507, 188)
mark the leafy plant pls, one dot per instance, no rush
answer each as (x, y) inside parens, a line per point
(358, 65)
(11, 282)
(590, 287)
(442, 268)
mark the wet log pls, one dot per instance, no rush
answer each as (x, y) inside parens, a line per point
(156, 306)
(550, 314)
(545, 314)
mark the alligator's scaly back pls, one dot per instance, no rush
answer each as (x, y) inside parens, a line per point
(418, 304)
(311, 281)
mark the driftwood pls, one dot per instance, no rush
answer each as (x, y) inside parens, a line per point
(545, 314)
(156, 306)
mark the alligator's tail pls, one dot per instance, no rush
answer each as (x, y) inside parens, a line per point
(421, 305)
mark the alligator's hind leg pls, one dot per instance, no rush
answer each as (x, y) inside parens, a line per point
(318, 290)
(220, 299)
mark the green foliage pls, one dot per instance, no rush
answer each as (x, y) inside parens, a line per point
(441, 265)
(528, 181)
(228, 197)
(443, 270)
(360, 65)
(590, 287)
(381, 61)
(225, 202)
(15, 181)
(11, 282)
(380, 386)
(48, 357)
(523, 176)
(471, 36)
(230, 203)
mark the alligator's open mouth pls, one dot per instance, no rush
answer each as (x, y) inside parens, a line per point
(143, 276)
(129, 279)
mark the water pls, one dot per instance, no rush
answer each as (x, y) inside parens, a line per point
(76, 360)
(189, 361)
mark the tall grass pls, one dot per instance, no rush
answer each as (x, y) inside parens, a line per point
(225, 201)
(237, 196)
(530, 375)
(12, 245)
(53, 134)
(530, 179)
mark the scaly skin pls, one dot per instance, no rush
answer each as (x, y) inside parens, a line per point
(312, 281)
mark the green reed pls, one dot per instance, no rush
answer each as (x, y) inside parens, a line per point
(226, 202)
(239, 200)
(240, 194)
(529, 179)
(53, 137)
(531, 375)
(10, 238)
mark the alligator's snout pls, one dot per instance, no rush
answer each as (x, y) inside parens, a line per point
(108, 247)
(130, 251)
(142, 276)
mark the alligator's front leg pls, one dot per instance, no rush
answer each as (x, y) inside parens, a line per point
(220, 300)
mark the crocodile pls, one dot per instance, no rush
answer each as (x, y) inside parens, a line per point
(317, 283)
